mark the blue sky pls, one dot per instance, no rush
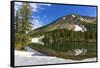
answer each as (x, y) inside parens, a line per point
(44, 14)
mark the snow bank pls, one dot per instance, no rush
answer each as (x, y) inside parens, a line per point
(38, 40)
(23, 53)
(25, 58)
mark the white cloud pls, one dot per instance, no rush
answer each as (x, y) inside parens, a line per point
(37, 23)
(49, 4)
(34, 6)
(35, 17)
(37, 6)
(17, 5)
(45, 4)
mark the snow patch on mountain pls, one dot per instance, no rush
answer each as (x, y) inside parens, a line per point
(73, 15)
(80, 28)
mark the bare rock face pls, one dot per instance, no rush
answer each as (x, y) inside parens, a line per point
(69, 22)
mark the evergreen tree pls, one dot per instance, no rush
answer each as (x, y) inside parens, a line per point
(25, 15)
(17, 21)
(23, 26)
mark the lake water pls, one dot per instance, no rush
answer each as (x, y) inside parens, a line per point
(67, 49)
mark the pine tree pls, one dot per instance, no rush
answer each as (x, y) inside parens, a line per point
(23, 26)
(17, 21)
(25, 15)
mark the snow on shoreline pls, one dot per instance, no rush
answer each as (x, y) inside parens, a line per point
(26, 58)
(38, 40)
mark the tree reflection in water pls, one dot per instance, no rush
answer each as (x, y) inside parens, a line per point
(67, 49)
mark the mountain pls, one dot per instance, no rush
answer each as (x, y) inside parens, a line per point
(65, 36)
(73, 22)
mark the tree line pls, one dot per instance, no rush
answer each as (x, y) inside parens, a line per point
(67, 35)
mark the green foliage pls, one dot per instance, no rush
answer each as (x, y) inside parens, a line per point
(21, 40)
(68, 35)
(25, 17)
(23, 26)
(60, 41)
(64, 49)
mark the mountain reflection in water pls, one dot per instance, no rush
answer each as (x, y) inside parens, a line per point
(67, 49)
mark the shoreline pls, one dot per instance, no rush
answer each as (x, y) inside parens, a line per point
(23, 58)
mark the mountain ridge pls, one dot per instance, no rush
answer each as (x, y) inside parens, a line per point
(64, 16)
(68, 22)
